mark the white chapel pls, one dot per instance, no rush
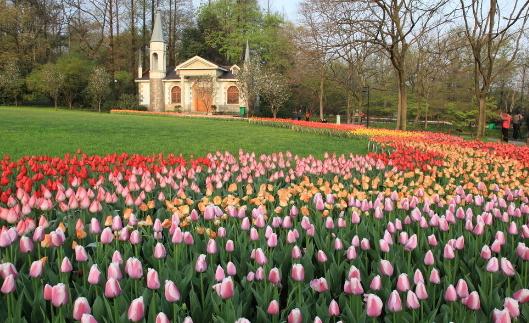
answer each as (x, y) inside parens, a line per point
(182, 87)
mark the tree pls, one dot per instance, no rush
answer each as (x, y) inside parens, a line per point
(275, 90)
(250, 80)
(76, 70)
(394, 26)
(99, 85)
(11, 81)
(48, 80)
(206, 88)
(489, 32)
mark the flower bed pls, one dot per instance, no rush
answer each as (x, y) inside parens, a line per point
(299, 125)
(434, 233)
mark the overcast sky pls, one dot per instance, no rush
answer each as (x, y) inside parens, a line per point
(287, 7)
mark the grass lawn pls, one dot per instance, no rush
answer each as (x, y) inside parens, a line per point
(44, 131)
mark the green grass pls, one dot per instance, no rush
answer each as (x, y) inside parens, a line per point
(44, 131)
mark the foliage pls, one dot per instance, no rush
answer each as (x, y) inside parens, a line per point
(275, 90)
(76, 70)
(11, 81)
(47, 79)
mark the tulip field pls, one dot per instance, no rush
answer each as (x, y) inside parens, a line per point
(426, 227)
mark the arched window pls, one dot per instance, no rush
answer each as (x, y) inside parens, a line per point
(233, 95)
(154, 66)
(176, 95)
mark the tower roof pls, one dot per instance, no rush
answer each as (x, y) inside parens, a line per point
(157, 33)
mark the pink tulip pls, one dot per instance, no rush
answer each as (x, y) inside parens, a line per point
(448, 252)
(319, 285)
(219, 273)
(112, 288)
(116, 257)
(225, 289)
(274, 276)
(201, 264)
(159, 251)
(321, 257)
(403, 283)
(260, 257)
(512, 306)
(376, 283)
(522, 296)
(383, 245)
(450, 294)
(411, 244)
(353, 286)
(501, 316)
(80, 307)
(59, 295)
(462, 288)
(298, 272)
(9, 285)
(373, 305)
(472, 301)
(296, 252)
(7, 269)
(80, 254)
(93, 275)
(334, 308)
(229, 246)
(171, 292)
(133, 268)
(152, 279)
(412, 301)
(507, 267)
(231, 269)
(113, 271)
(46, 293)
(135, 237)
(162, 318)
(136, 310)
(435, 278)
(386, 268)
(394, 303)
(211, 247)
(420, 291)
(485, 253)
(273, 308)
(429, 258)
(66, 265)
(25, 244)
(107, 236)
(493, 265)
(36, 268)
(295, 316)
(87, 318)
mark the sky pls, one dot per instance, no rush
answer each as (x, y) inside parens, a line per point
(287, 7)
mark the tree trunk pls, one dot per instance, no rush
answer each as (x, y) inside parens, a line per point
(402, 107)
(274, 112)
(349, 99)
(322, 88)
(144, 33)
(99, 105)
(111, 37)
(426, 116)
(133, 38)
(481, 118)
(55, 102)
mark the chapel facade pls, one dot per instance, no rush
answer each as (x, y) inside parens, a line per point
(195, 86)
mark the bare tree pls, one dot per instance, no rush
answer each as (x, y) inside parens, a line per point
(318, 35)
(489, 32)
(392, 25)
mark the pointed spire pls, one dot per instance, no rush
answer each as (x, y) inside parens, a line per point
(247, 53)
(157, 33)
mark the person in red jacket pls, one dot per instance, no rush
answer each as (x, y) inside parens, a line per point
(505, 125)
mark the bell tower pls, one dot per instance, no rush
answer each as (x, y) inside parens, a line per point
(157, 59)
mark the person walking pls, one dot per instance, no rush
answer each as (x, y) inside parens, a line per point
(517, 125)
(505, 125)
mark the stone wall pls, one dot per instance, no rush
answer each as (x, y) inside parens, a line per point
(157, 96)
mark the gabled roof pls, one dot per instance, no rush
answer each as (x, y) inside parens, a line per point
(205, 65)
